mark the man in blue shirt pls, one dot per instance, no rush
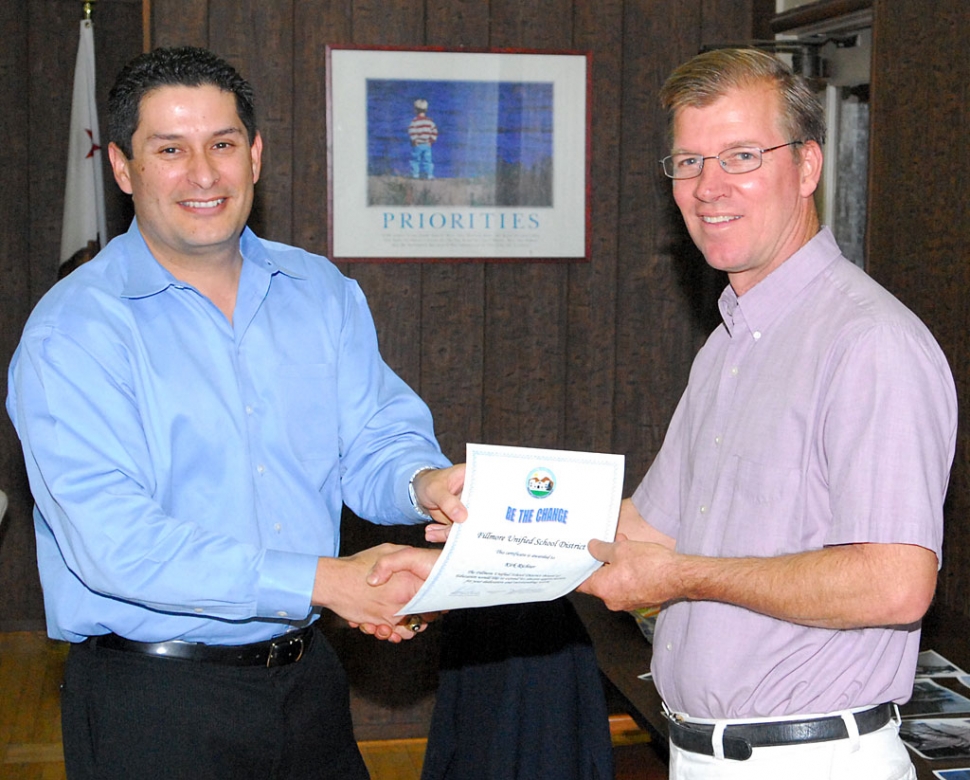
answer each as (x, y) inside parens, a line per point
(195, 406)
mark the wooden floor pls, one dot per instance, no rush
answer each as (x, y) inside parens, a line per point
(31, 668)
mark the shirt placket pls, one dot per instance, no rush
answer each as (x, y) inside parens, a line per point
(720, 436)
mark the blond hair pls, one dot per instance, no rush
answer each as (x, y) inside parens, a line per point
(710, 75)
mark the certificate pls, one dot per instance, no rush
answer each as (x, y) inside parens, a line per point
(531, 513)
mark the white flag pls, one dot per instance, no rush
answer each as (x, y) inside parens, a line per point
(84, 223)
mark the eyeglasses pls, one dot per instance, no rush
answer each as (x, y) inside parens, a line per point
(737, 159)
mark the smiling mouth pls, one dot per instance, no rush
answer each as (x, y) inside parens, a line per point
(203, 204)
(718, 220)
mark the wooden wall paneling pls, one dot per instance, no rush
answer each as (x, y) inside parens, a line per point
(118, 27)
(452, 353)
(726, 21)
(389, 22)
(762, 12)
(316, 24)
(918, 218)
(654, 332)
(15, 194)
(393, 289)
(592, 287)
(257, 38)
(21, 602)
(457, 24)
(52, 42)
(179, 23)
(453, 294)
(525, 303)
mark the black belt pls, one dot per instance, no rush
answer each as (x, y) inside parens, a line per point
(740, 738)
(282, 650)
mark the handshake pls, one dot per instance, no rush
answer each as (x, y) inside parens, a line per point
(369, 588)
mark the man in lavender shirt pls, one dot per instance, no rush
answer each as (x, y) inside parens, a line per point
(791, 524)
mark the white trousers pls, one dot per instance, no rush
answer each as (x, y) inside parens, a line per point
(880, 755)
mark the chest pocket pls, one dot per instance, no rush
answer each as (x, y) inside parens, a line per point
(765, 513)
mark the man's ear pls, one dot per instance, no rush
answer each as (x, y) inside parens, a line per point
(256, 152)
(119, 166)
(810, 156)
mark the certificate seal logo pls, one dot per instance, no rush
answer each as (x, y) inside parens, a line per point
(541, 483)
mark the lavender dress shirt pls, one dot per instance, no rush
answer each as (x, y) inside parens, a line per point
(822, 412)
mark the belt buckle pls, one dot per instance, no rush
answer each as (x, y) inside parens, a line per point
(284, 645)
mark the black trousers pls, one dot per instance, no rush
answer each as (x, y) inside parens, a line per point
(127, 716)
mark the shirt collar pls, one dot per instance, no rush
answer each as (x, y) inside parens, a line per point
(146, 276)
(764, 302)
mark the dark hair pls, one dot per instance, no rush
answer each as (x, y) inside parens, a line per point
(184, 66)
(708, 76)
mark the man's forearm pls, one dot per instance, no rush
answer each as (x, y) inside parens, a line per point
(840, 587)
(843, 587)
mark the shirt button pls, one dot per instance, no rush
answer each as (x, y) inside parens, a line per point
(249, 410)
(670, 645)
(757, 335)
(261, 469)
(277, 528)
(199, 610)
(717, 439)
(281, 613)
(734, 371)
(703, 509)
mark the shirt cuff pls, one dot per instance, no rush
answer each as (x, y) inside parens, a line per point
(285, 585)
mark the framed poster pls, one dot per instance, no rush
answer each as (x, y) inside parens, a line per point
(437, 155)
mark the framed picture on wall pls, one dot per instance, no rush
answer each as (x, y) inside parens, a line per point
(437, 155)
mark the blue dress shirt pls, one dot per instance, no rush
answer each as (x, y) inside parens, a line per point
(187, 471)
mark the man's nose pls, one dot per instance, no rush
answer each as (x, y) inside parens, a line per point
(202, 171)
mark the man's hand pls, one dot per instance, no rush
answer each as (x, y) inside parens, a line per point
(639, 570)
(438, 491)
(342, 586)
(636, 574)
(417, 561)
(406, 561)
